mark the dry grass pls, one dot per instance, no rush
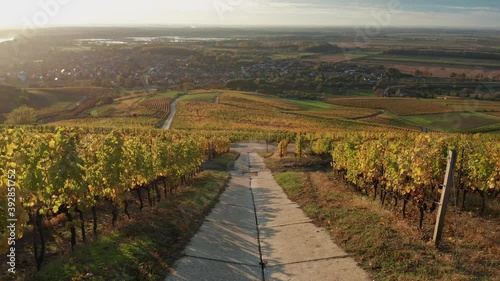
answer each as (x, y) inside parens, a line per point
(470, 250)
(393, 248)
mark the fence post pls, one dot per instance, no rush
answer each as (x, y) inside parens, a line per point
(445, 196)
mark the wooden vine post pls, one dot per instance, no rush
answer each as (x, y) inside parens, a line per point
(445, 196)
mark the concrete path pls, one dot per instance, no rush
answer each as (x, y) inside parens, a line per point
(257, 233)
(171, 114)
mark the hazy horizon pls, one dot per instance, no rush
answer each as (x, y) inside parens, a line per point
(252, 13)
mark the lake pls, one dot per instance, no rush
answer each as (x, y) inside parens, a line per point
(6, 39)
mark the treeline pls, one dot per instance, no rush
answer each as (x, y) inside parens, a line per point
(9, 98)
(321, 47)
(444, 53)
(302, 46)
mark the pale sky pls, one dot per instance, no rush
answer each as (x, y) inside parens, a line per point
(421, 13)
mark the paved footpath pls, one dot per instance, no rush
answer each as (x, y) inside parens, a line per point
(255, 224)
(171, 115)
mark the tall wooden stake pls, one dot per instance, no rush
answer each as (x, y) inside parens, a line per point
(445, 196)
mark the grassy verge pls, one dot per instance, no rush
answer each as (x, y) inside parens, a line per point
(389, 247)
(147, 247)
(291, 182)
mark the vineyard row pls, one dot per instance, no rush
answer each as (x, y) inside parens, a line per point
(69, 171)
(408, 166)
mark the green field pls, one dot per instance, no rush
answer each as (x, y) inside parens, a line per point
(207, 98)
(456, 121)
(169, 94)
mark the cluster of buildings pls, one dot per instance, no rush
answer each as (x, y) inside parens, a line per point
(133, 67)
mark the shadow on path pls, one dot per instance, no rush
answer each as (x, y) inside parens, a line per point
(256, 233)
